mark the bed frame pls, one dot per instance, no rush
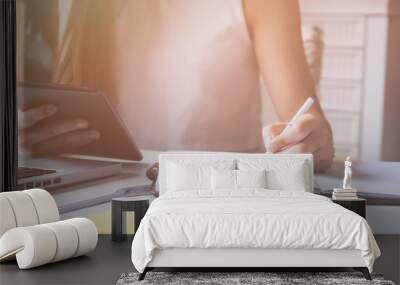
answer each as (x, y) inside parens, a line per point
(240, 259)
(245, 259)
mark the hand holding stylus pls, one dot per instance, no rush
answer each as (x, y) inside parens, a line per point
(303, 109)
(305, 133)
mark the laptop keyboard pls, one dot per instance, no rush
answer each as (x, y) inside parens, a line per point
(25, 172)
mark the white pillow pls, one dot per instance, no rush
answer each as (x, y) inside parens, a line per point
(251, 178)
(297, 180)
(223, 179)
(188, 177)
(237, 179)
(282, 174)
(191, 174)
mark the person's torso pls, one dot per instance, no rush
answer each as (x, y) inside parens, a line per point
(185, 75)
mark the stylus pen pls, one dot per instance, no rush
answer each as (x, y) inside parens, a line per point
(303, 109)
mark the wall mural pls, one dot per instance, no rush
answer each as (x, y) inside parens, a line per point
(113, 80)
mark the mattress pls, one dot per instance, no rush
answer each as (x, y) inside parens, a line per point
(250, 219)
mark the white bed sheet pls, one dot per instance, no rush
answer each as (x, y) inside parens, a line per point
(252, 218)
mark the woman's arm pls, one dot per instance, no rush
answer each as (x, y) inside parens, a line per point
(275, 30)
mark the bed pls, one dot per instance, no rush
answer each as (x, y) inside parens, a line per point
(247, 210)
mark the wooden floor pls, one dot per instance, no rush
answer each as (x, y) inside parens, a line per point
(110, 260)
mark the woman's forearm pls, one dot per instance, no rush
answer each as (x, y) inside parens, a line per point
(275, 30)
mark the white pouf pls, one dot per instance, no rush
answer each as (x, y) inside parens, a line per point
(67, 238)
(7, 218)
(31, 232)
(46, 207)
(23, 208)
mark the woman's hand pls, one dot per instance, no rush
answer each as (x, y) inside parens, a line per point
(39, 134)
(310, 134)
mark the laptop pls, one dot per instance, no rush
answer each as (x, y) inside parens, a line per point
(55, 172)
(115, 143)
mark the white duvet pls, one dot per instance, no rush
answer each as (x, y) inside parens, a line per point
(250, 219)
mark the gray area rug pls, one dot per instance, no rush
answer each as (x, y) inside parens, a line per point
(232, 278)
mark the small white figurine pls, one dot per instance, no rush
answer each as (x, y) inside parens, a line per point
(347, 174)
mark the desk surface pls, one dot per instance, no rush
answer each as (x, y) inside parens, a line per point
(378, 182)
(101, 191)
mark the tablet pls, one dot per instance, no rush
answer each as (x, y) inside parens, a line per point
(115, 139)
